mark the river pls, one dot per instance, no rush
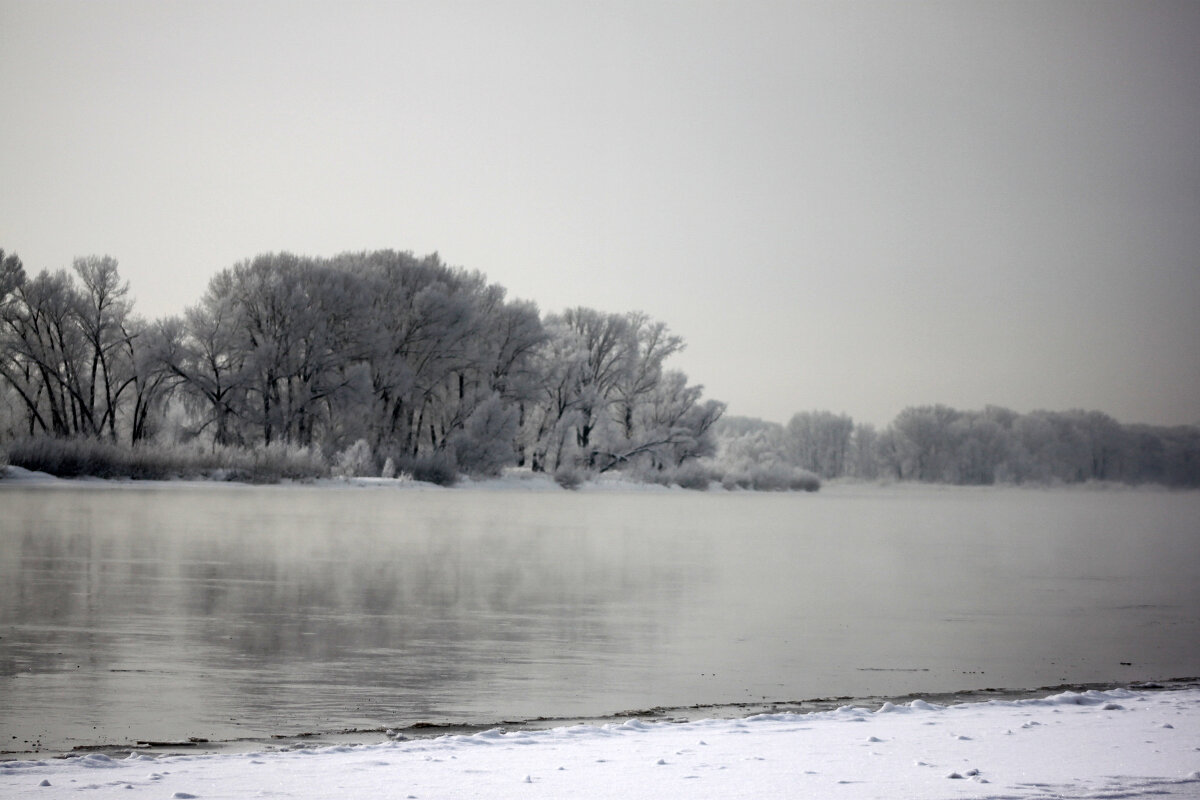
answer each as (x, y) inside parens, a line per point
(160, 612)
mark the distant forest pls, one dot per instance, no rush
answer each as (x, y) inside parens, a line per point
(385, 363)
(938, 444)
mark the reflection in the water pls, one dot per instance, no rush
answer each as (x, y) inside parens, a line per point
(224, 612)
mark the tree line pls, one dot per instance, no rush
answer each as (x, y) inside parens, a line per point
(402, 360)
(996, 445)
(380, 362)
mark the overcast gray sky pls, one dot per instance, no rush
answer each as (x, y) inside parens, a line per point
(846, 206)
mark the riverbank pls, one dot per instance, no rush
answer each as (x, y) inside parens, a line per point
(521, 480)
(525, 480)
(1114, 743)
(360, 736)
(280, 462)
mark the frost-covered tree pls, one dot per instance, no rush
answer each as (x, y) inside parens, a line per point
(609, 343)
(864, 460)
(819, 441)
(664, 427)
(924, 442)
(58, 342)
(207, 354)
(18, 369)
(752, 454)
(551, 418)
(102, 312)
(151, 378)
(49, 352)
(438, 342)
(383, 346)
(980, 449)
(70, 349)
(606, 401)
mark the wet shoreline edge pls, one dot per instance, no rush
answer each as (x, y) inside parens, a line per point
(660, 714)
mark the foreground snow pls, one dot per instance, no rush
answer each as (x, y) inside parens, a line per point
(1118, 743)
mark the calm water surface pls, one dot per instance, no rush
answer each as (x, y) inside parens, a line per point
(168, 612)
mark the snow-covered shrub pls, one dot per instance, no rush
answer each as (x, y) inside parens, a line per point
(775, 477)
(355, 461)
(389, 469)
(70, 458)
(12, 421)
(484, 446)
(278, 460)
(803, 480)
(438, 468)
(692, 475)
(568, 476)
(647, 473)
(782, 478)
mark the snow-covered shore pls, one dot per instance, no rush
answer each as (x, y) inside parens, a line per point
(513, 480)
(1117, 743)
(524, 480)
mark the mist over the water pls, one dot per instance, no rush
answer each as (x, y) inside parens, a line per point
(164, 613)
